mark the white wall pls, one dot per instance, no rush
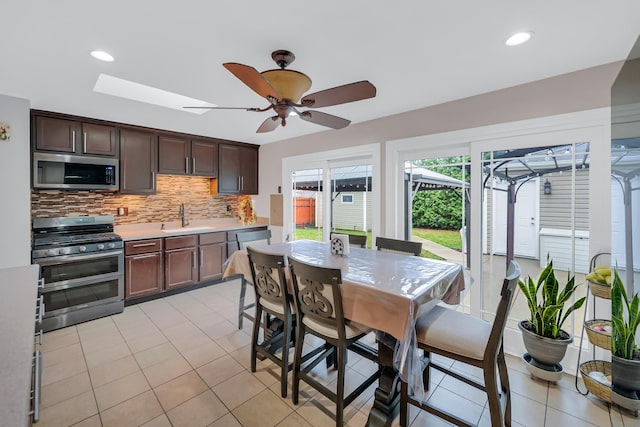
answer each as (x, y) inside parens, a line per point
(15, 193)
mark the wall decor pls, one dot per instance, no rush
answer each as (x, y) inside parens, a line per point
(5, 131)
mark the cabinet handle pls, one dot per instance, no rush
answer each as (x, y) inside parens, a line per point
(38, 337)
(84, 143)
(194, 255)
(40, 285)
(193, 169)
(239, 187)
(242, 180)
(144, 256)
(153, 180)
(40, 309)
(201, 256)
(186, 165)
(73, 141)
(143, 245)
(37, 385)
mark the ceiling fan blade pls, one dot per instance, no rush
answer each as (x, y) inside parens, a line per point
(324, 119)
(340, 95)
(252, 78)
(268, 125)
(228, 108)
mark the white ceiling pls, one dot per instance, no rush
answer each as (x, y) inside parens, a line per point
(417, 53)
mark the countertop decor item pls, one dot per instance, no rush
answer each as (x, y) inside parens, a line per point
(247, 214)
(5, 131)
(543, 337)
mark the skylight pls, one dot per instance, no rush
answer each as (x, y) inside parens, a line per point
(122, 88)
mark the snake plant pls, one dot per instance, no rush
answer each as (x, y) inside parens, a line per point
(547, 314)
(623, 342)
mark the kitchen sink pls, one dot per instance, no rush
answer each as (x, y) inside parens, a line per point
(188, 229)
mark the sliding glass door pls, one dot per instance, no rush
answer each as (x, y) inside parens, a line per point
(335, 194)
(535, 208)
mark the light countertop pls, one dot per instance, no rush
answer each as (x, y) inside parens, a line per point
(19, 289)
(174, 228)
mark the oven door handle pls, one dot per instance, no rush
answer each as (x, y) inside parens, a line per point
(66, 258)
(82, 281)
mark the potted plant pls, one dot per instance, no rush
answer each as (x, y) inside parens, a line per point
(625, 356)
(543, 337)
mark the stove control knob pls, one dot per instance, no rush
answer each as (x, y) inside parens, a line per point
(52, 252)
(82, 249)
(111, 245)
(100, 246)
(65, 251)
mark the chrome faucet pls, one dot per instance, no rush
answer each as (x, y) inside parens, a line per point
(183, 217)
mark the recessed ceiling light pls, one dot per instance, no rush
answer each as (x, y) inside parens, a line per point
(519, 38)
(138, 92)
(102, 56)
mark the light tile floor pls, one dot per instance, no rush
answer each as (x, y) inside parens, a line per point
(181, 361)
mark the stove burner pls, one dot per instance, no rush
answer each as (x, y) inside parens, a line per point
(73, 236)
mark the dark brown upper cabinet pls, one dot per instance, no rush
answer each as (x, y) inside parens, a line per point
(75, 137)
(138, 161)
(183, 156)
(238, 171)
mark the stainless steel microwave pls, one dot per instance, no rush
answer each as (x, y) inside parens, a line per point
(67, 172)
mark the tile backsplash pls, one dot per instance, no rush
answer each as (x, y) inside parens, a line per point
(171, 191)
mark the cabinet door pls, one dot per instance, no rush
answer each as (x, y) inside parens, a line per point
(204, 158)
(229, 169)
(138, 159)
(99, 140)
(143, 274)
(57, 134)
(173, 155)
(249, 171)
(211, 259)
(181, 268)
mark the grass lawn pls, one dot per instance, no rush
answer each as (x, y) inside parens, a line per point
(449, 238)
(316, 234)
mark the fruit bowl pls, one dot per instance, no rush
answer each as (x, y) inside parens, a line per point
(599, 332)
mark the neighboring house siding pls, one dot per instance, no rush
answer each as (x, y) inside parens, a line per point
(555, 208)
(349, 216)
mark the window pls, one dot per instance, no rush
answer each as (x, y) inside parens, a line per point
(347, 198)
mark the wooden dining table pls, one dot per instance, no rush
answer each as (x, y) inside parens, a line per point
(384, 291)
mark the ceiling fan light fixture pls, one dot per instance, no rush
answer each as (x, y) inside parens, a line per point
(519, 38)
(290, 84)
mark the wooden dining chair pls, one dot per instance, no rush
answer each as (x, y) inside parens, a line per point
(243, 239)
(472, 341)
(318, 301)
(269, 283)
(358, 240)
(394, 245)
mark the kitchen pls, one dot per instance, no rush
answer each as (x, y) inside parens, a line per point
(496, 106)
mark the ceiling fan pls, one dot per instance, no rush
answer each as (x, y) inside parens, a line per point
(283, 89)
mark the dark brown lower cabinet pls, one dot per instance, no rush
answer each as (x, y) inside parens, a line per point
(154, 266)
(144, 272)
(180, 261)
(212, 254)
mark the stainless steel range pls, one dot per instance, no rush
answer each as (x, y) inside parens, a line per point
(82, 264)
